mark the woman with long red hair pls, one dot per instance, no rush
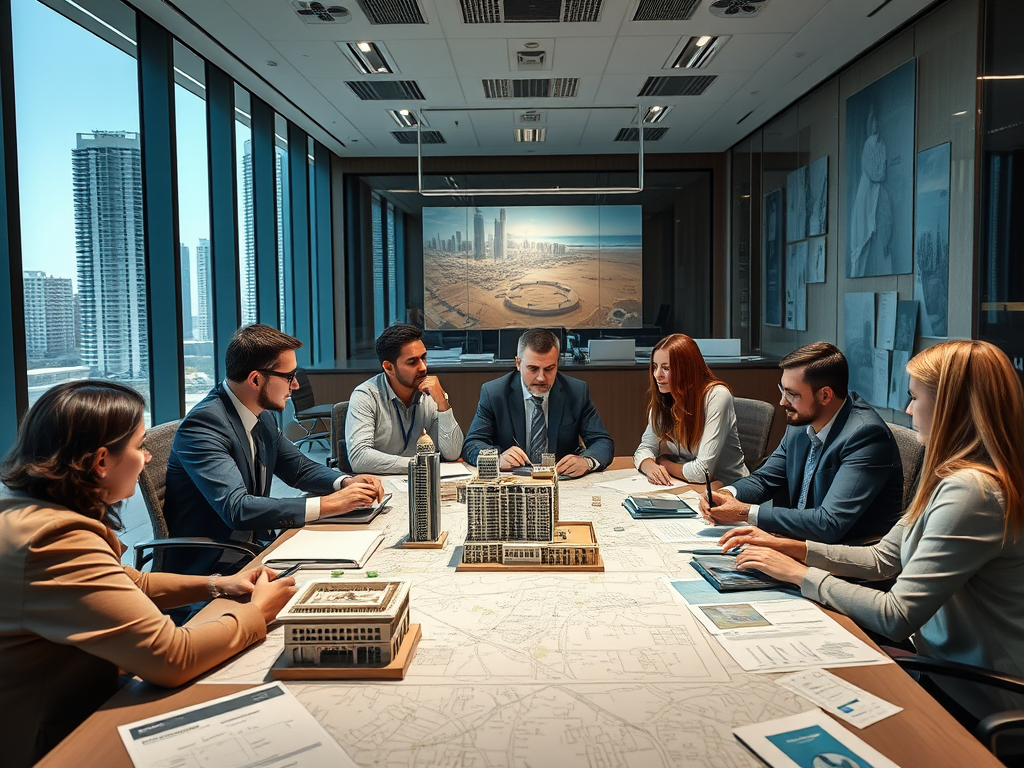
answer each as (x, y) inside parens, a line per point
(691, 426)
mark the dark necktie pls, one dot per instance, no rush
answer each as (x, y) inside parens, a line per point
(538, 431)
(809, 467)
(258, 461)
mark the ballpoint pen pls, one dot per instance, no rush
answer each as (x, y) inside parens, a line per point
(707, 485)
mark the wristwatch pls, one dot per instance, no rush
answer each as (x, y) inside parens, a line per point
(591, 463)
(212, 588)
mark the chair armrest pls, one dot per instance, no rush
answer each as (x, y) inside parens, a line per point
(989, 729)
(931, 666)
(195, 542)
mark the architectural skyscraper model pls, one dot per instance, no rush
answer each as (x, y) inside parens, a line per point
(425, 492)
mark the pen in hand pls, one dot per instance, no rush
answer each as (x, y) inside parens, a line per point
(707, 485)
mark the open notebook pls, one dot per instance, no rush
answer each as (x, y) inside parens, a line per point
(332, 549)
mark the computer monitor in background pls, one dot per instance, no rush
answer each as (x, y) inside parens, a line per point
(508, 341)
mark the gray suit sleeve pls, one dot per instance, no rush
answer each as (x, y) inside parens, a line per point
(962, 531)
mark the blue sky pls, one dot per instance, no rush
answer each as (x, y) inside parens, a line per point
(537, 221)
(69, 81)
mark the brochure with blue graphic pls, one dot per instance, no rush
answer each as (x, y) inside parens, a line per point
(809, 740)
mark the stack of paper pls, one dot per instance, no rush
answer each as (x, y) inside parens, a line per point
(784, 635)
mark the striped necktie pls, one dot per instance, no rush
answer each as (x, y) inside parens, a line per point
(538, 431)
(809, 467)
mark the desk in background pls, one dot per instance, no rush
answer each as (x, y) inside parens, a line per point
(567, 670)
(619, 392)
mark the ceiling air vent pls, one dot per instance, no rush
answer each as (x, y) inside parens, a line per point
(392, 90)
(631, 134)
(428, 137)
(532, 88)
(392, 11)
(581, 10)
(529, 11)
(679, 85)
(531, 60)
(665, 10)
(531, 116)
(318, 13)
(739, 9)
(481, 11)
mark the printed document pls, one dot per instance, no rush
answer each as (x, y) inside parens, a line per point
(637, 483)
(838, 697)
(784, 635)
(263, 727)
(689, 531)
(809, 740)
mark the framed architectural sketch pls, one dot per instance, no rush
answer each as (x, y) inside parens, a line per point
(880, 175)
(816, 260)
(774, 220)
(859, 338)
(796, 205)
(796, 286)
(817, 197)
(931, 240)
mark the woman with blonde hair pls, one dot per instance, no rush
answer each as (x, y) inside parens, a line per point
(691, 426)
(957, 554)
(71, 615)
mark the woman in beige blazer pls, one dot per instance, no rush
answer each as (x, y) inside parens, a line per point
(71, 615)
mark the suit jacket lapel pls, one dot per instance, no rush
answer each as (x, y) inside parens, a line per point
(800, 448)
(517, 411)
(556, 401)
(240, 436)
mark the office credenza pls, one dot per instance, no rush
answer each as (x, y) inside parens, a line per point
(619, 392)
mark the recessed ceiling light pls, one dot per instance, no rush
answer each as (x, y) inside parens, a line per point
(406, 118)
(531, 134)
(271, 63)
(368, 58)
(656, 114)
(531, 46)
(961, 112)
(697, 52)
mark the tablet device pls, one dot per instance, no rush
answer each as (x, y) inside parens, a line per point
(359, 516)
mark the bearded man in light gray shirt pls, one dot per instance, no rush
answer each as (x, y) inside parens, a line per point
(387, 413)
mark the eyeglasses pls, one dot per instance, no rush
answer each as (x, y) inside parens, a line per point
(788, 396)
(289, 377)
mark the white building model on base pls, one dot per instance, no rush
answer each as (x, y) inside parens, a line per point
(514, 520)
(345, 623)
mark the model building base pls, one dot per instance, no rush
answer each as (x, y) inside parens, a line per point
(518, 556)
(439, 544)
(396, 670)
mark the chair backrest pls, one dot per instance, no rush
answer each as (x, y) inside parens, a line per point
(338, 414)
(153, 479)
(302, 398)
(754, 419)
(912, 456)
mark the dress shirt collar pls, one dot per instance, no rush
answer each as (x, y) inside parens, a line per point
(389, 393)
(822, 434)
(249, 419)
(528, 395)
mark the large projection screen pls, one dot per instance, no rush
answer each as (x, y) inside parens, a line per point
(575, 266)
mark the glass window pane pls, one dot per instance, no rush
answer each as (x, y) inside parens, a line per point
(194, 224)
(284, 277)
(247, 237)
(392, 268)
(378, 266)
(80, 184)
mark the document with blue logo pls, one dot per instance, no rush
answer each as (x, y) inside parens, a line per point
(264, 727)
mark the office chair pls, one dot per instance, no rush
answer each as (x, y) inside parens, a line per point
(754, 419)
(339, 453)
(153, 484)
(990, 728)
(308, 415)
(912, 456)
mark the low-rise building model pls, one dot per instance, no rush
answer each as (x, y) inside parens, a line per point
(345, 623)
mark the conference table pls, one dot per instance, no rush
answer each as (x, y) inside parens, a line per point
(546, 669)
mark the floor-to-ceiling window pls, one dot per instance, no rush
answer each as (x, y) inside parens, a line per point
(80, 187)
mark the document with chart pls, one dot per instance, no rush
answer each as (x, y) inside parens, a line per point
(263, 727)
